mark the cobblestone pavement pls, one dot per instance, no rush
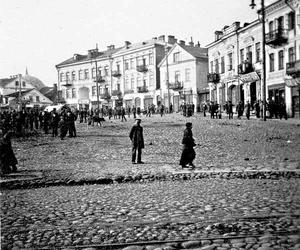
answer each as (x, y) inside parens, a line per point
(157, 211)
(225, 145)
(209, 208)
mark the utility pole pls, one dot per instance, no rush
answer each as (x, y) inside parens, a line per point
(167, 76)
(20, 95)
(97, 85)
(252, 5)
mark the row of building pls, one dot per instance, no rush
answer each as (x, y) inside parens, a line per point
(164, 70)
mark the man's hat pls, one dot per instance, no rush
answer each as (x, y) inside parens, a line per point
(188, 124)
(138, 119)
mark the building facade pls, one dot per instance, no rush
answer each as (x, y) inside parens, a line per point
(235, 58)
(127, 76)
(183, 72)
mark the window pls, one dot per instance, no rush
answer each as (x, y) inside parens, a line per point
(151, 82)
(106, 70)
(257, 52)
(211, 67)
(271, 26)
(94, 89)
(24, 84)
(127, 83)
(73, 76)
(177, 76)
(230, 61)
(242, 56)
(222, 65)
(93, 73)
(291, 20)
(151, 59)
(17, 83)
(132, 83)
(118, 67)
(140, 61)
(126, 65)
(37, 98)
(271, 57)
(249, 54)
(280, 59)
(217, 66)
(99, 71)
(68, 76)
(67, 93)
(30, 98)
(187, 75)
(86, 74)
(280, 23)
(132, 63)
(81, 74)
(291, 53)
(73, 93)
(176, 57)
(62, 77)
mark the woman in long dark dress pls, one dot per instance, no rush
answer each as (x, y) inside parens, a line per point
(188, 152)
(8, 160)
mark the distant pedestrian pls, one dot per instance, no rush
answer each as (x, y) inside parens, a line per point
(123, 112)
(247, 110)
(54, 123)
(137, 139)
(63, 128)
(188, 152)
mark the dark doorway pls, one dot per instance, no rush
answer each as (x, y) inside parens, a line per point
(252, 93)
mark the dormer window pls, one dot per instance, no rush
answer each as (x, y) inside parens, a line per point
(24, 84)
(176, 57)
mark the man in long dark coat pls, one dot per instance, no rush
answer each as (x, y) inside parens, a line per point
(137, 139)
(188, 152)
(8, 160)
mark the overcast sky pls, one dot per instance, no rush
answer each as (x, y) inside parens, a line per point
(38, 34)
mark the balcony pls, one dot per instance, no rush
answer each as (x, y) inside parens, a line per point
(142, 68)
(213, 77)
(100, 79)
(66, 83)
(143, 89)
(245, 68)
(116, 92)
(116, 73)
(293, 68)
(105, 96)
(277, 37)
(176, 85)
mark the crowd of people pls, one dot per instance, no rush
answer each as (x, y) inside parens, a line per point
(273, 109)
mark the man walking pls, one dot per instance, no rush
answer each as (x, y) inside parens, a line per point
(137, 139)
(188, 152)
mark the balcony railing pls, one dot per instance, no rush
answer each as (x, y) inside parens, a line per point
(67, 83)
(143, 89)
(245, 68)
(176, 85)
(116, 73)
(141, 68)
(213, 77)
(277, 37)
(128, 91)
(105, 96)
(293, 68)
(100, 79)
(116, 92)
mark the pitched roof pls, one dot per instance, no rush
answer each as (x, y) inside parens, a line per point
(16, 94)
(195, 51)
(83, 58)
(141, 45)
(5, 81)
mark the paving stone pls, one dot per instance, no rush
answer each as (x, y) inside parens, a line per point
(191, 244)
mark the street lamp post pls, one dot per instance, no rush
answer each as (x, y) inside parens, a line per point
(97, 86)
(167, 76)
(252, 5)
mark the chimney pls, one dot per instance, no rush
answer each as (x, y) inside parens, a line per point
(172, 39)
(154, 38)
(181, 42)
(161, 38)
(191, 43)
(111, 47)
(127, 44)
(236, 25)
(218, 35)
(90, 54)
(76, 57)
(198, 44)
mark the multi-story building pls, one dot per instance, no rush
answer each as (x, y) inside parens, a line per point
(235, 58)
(184, 75)
(127, 76)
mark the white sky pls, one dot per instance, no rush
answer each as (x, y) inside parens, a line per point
(38, 34)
